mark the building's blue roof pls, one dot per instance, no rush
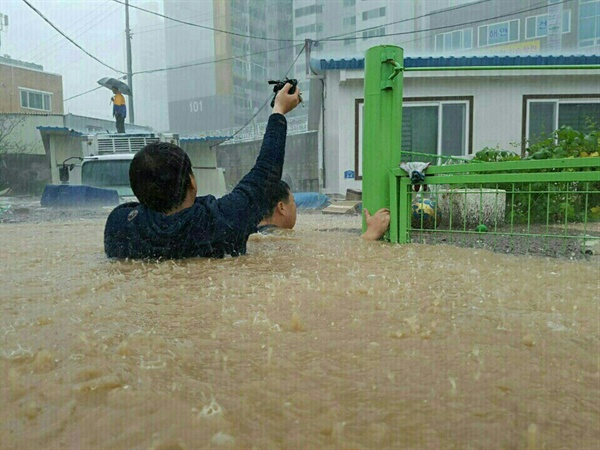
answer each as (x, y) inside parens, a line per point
(186, 139)
(62, 129)
(465, 61)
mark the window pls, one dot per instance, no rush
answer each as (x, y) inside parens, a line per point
(39, 100)
(348, 21)
(454, 40)
(537, 26)
(373, 13)
(308, 10)
(349, 2)
(312, 28)
(498, 33)
(545, 114)
(374, 33)
(437, 126)
(106, 173)
(589, 23)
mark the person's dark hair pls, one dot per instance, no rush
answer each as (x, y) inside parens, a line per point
(160, 176)
(279, 192)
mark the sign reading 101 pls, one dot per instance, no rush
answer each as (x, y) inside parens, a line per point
(196, 106)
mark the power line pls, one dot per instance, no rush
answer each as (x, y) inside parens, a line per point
(212, 61)
(70, 40)
(432, 13)
(233, 33)
(153, 28)
(83, 93)
(188, 65)
(91, 90)
(35, 50)
(263, 105)
(80, 32)
(514, 13)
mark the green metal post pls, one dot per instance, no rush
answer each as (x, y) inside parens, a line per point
(382, 124)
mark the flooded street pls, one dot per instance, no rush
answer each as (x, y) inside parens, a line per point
(315, 339)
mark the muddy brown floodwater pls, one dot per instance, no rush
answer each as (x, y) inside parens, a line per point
(314, 340)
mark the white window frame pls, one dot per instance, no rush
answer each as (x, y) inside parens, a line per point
(462, 40)
(536, 36)
(487, 25)
(591, 42)
(557, 102)
(35, 91)
(439, 104)
(359, 120)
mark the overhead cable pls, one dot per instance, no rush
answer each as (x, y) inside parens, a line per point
(264, 104)
(514, 13)
(432, 13)
(233, 33)
(212, 61)
(69, 39)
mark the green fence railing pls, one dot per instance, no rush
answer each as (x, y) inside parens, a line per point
(548, 207)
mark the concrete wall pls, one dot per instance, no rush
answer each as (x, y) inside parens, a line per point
(12, 78)
(497, 107)
(301, 168)
(25, 137)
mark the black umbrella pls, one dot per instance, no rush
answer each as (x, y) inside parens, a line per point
(114, 83)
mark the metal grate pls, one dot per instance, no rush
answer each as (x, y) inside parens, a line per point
(123, 144)
(549, 207)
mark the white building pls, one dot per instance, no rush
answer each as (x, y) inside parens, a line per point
(452, 107)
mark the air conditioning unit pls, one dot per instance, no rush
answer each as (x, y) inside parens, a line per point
(119, 143)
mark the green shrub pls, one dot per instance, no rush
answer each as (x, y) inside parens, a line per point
(551, 202)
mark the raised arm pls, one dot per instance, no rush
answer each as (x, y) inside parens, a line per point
(244, 206)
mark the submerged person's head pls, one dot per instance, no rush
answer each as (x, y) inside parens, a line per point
(161, 176)
(281, 210)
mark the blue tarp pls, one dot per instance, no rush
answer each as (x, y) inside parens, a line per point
(311, 200)
(67, 196)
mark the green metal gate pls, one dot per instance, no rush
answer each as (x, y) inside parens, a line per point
(549, 207)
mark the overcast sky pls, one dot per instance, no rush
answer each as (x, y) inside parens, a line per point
(97, 25)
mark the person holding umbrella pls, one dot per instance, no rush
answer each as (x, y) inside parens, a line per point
(119, 109)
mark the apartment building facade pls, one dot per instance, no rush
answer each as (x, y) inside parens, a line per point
(204, 95)
(524, 27)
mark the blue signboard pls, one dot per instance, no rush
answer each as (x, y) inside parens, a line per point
(349, 174)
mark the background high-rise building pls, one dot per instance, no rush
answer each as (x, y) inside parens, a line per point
(148, 53)
(207, 95)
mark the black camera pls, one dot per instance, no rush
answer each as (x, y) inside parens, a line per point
(279, 86)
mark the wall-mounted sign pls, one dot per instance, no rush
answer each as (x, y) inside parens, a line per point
(349, 174)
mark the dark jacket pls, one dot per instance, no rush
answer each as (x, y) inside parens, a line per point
(210, 228)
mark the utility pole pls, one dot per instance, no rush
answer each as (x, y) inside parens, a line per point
(3, 26)
(129, 69)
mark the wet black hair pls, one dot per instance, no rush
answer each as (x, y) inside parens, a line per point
(279, 192)
(160, 176)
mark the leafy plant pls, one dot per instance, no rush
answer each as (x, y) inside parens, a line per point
(552, 202)
(567, 143)
(488, 154)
